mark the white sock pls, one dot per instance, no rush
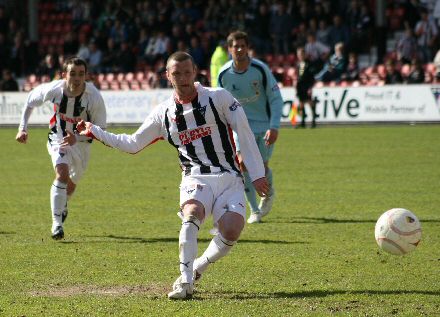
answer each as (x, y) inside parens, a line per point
(188, 247)
(58, 200)
(217, 248)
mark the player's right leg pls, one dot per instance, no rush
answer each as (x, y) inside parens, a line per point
(193, 214)
(58, 199)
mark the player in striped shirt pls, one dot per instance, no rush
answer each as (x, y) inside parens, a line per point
(73, 99)
(198, 122)
(251, 82)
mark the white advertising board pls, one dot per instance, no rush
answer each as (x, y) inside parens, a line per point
(394, 103)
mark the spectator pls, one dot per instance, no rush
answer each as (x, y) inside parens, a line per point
(392, 75)
(125, 59)
(8, 82)
(109, 57)
(95, 57)
(416, 73)
(426, 32)
(83, 49)
(161, 80)
(260, 30)
(5, 52)
(316, 53)
(335, 66)
(436, 62)
(352, 71)
(70, 45)
(280, 26)
(406, 47)
(197, 52)
(49, 67)
(338, 32)
(322, 34)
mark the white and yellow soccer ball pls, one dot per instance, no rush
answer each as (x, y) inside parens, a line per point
(398, 231)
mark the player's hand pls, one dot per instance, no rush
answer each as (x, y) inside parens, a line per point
(241, 163)
(22, 137)
(261, 186)
(69, 139)
(271, 136)
(84, 127)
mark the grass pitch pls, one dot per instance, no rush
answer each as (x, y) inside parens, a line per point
(314, 255)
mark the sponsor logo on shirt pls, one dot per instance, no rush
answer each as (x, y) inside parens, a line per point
(234, 106)
(275, 87)
(191, 135)
(68, 119)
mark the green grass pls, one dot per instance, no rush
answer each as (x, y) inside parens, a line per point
(314, 255)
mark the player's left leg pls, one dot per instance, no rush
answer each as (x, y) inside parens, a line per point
(230, 226)
(266, 202)
(71, 186)
(58, 199)
(229, 214)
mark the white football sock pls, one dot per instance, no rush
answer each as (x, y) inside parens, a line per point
(188, 247)
(217, 248)
(58, 200)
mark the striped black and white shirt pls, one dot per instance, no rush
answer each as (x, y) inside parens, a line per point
(67, 111)
(201, 131)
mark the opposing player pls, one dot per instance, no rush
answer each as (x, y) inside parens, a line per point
(251, 82)
(197, 121)
(73, 100)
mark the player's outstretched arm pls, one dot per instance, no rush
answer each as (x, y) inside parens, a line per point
(133, 143)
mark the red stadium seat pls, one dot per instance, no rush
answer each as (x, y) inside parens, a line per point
(124, 85)
(114, 85)
(129, 76)
(140, 75)
(109, 77)
(104, 85)
(120, 77)
(405, 70)
(134, 85)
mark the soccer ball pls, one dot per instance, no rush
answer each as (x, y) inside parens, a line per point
(398, 231)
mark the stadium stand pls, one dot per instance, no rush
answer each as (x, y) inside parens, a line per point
(153, 29)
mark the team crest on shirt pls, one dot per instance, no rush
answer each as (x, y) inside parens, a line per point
(255, 86)
(189, 189)
(201, 109)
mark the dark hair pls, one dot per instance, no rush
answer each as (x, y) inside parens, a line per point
(237, 35)
(180, 57)
(74, 60)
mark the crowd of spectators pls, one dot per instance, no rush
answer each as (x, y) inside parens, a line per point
(117, 36)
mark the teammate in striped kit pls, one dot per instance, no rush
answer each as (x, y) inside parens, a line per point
(198, 122)
(251, 82)
(73, 100)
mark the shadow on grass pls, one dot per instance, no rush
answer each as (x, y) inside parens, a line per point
(324, 220)
(122, 239)
(310, 294)
(7, 232)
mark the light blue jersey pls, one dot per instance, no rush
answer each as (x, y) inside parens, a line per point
(257, 91)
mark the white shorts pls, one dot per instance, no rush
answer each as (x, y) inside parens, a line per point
(218, 193)
(75, 156)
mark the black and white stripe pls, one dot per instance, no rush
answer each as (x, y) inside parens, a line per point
(206, 154)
